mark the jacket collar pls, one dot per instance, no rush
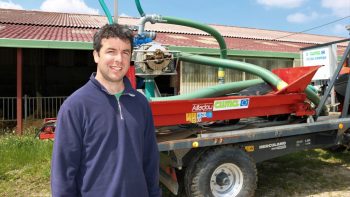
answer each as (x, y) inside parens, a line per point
(128, 90)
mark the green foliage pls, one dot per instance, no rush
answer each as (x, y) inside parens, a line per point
(24, 160)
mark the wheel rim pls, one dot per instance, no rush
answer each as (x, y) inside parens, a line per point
(226, 180)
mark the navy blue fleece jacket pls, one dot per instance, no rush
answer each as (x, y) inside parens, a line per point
(104, 147)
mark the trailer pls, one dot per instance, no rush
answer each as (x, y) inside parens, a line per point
(224, 163)
(221, 161)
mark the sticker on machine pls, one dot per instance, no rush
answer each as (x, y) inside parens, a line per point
(220, 105)
(203, 107)
(197, 117)
(274, 146)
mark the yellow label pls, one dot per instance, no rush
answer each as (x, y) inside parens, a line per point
(191, 117)
(341, 126)
(221, 74)
(281, 85)
(195, 144)
(249, 148)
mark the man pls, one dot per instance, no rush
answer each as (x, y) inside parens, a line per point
(105, 141)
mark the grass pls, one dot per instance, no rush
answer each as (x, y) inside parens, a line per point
(306, 173)
(25, 170)
(24, 165)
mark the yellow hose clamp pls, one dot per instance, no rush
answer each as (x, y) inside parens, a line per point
(221, 74)
(281, 84)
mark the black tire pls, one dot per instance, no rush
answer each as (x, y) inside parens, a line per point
(221, 171)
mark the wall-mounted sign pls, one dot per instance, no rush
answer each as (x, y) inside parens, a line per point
(326, 56)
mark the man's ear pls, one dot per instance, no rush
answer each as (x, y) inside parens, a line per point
(96, 56)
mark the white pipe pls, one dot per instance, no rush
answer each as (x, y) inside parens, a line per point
(116, 11)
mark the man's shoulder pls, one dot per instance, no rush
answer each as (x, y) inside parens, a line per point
(80, 95)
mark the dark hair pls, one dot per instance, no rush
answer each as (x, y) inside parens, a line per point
(112, 31)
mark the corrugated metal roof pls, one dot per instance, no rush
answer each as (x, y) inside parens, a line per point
(17, 31)
(21, 24)
(38, 18)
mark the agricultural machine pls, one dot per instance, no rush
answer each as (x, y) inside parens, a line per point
(211, 140)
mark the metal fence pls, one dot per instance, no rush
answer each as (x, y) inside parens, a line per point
(33, 107)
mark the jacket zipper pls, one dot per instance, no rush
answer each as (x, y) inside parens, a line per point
(119, 106)
(120, 110)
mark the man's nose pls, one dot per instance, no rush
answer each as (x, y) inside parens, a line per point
(118, 57)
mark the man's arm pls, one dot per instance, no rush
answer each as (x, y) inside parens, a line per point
(66, 153)
(151, 157)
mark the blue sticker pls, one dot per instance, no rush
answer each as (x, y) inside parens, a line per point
(209, 114)
(244, 102)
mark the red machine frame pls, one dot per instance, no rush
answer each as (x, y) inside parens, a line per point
(290, 100)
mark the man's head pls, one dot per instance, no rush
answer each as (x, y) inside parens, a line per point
(112, 31)
(112, 53)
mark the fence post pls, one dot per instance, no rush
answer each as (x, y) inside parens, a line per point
(25, 107)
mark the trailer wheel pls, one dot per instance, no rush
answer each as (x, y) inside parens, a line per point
(223, 171)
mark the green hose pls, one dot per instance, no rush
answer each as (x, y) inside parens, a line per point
(266, 75)
(213, 91)
(190, 23)
(139, 8)
(105, 9)
(203, 27)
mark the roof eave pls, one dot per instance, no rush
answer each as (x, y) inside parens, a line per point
(45, 44)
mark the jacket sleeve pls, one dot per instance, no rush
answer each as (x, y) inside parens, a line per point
(151, 157)
(66, 153)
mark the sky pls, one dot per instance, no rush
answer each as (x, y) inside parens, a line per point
(283, 15)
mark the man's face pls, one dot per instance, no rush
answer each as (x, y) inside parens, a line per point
(113, 60)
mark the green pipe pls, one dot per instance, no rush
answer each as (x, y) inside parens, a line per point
(209, 30)
(105, 9)
(312, 96)
(266, 75)
(213, 91)
(203, 27)
(139, 8)
(149, 87)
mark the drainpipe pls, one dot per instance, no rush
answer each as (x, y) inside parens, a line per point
(19, 129)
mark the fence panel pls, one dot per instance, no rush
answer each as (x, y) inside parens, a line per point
(33, 107)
